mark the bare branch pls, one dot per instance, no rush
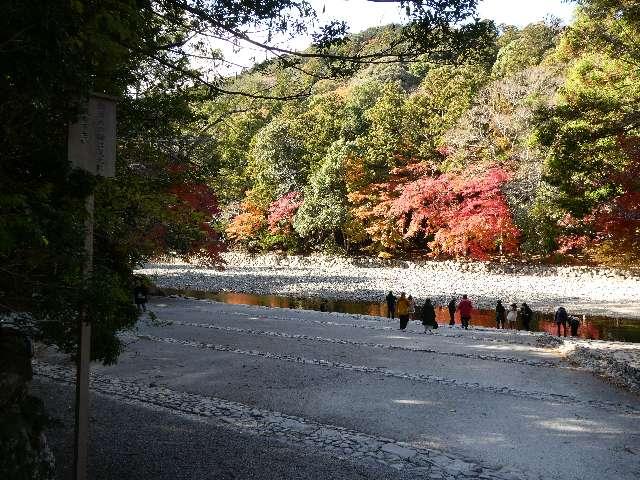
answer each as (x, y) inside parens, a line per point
(219, 90)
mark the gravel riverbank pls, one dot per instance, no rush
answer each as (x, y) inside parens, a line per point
(590, 291)
(308, 394)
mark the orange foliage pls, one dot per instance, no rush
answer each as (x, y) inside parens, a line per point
(246, 225)
(617, 223)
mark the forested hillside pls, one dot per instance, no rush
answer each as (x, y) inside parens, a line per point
(529, 145)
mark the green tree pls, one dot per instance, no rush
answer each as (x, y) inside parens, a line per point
(325, 209)
(75, 47)
(361, 97)
(597, 109)
(321, 122)
(445, 94)
(137, 52)
(386, 138)
(276, 163)
(525, 48)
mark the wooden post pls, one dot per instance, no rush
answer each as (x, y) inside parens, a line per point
(81, 437)
(91, 147)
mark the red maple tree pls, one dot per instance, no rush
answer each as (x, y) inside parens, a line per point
(281, 212)
(451, 214)
(199, 202)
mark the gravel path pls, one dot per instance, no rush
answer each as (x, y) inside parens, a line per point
(584, 291)
(313, 397)
(133, 439)
(337, 441)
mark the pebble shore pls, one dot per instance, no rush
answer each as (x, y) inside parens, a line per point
(590, 291)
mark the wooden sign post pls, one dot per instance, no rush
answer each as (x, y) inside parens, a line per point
(91, 147)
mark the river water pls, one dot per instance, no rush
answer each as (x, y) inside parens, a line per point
(591, 327)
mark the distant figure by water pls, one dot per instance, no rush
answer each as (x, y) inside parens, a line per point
(561, 318)
(512, 316)
(402, 306)
(391, 305)
(465, 308)
(324, 305)
(526, 314)
(140, 293)
(574, 324)
(412, 307)
(500, 315)
(452, 311)
(429, 316)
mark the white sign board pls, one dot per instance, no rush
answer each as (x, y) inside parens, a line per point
(92, 139)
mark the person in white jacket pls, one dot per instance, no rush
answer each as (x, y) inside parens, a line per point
(512, 316)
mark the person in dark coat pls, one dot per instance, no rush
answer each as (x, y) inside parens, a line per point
(574, 324)
(391, 305)
(452, 311)
(500, 315)
(526, 314)
(140, 293)
(323, 305)
(561, 318)
(429, 316)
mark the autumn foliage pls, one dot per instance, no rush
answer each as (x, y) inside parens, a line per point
(245, 225)
(198, 201)
(616, 223)
(449, 214)
(281, 212)
(530, 148)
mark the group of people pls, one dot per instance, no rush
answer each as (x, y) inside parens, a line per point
(509, 318)
(525, 314)
(404, 307)
(563, 319)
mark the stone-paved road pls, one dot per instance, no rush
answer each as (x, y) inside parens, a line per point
(228, 391)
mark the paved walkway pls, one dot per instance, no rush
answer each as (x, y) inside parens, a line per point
(351, 396)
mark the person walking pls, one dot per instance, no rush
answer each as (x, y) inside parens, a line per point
(526, 314)
(429, 316)
(403, 310)
(452, 312)
(561, 318)
(391, 305)
(512, 316)
(500, 315)
(412, 307)
(465, 308)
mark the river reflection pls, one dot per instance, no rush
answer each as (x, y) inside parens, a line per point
(593, 327)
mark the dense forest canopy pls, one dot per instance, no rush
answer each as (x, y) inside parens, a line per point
(524, 145)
